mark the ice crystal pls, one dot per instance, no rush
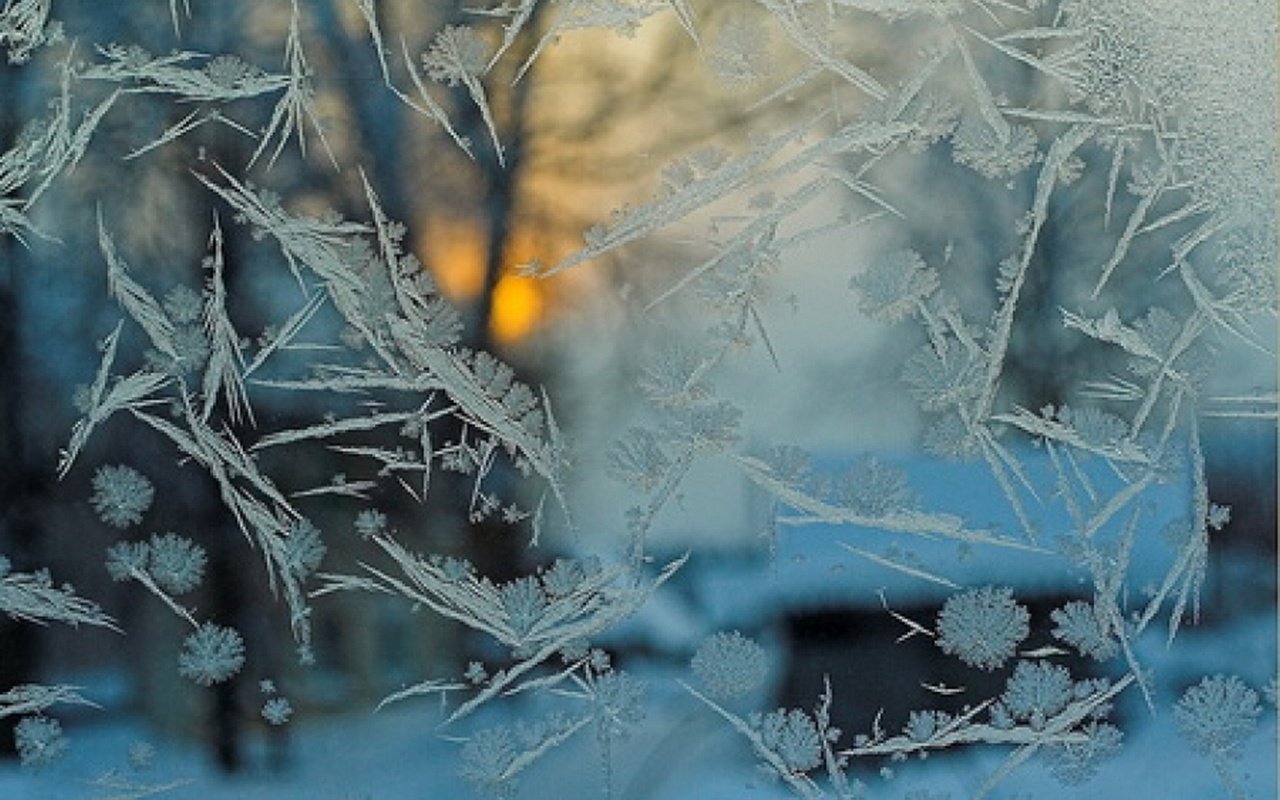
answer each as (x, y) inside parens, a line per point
(983, 627)
(523, 602)
(730, 665)
(484, 762)
(638, 459)
(212, 654)
(619, 703)
(978, 146)
(141, 755)
(176, 563)
(1076, 762)
(33, 596)
(875, 489)
(370, 522)
(923, 725)
(25, 26)
(231, 72)
(121, 495)
(941, 379)
(793, 736)
(458, 54)
(564, 576)
(127, 559)
(1217, 715)
(277, 710)
(184, 305)
(1036, 691)
(39, 741)
(894, 285)
(1077, 624)
(303, 549)
(949, 438)
(739, 51)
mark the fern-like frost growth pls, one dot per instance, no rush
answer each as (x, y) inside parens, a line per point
(1074, 763)
(793, 737)
(277, 710)
(1077, 624)
(121, 495)
(39, 741)
(176, 563)
(983, 627)
(730, 665)
(1036, 691)
(212, 654)
(1217, 715)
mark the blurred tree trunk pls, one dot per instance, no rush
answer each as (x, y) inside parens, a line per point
(495, 549)
(382, 128)
(19, 481)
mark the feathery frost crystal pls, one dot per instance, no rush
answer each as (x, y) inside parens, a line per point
(1036, 691)
(730, 665)
(983, 627)
(1065, 208)
(175, 562)
(1217, 715)
(792, 735)
(39, 741)
(212, 654)
(121, 495)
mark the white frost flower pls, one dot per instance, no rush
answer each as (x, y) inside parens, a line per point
(39, 741)
(730, 665)
(121, 495)
(982, 627)
(1217, 715)
(211, 655)
(277, 710)
(457, 55)
(176, 563)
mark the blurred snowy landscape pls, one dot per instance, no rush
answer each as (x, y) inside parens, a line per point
(870, 337)
(680, 751)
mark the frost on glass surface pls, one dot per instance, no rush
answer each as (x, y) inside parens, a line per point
(730, 665)
(211, 655)
(121, 495)
(638, 398)
(982, 627)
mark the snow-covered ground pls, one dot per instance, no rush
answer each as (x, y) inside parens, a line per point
(682, 749)
(680, 752)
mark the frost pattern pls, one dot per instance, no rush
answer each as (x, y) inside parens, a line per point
(176, 563)
(892, 288)
(983, 627)
(211, 654)
(792, 735)
(730, 665)
(1217, 715)
(33, 698)
(40, 741)
(1077, 624)
(1036, 691)
(32, 596)
(277, 710)
(1138, 111)
(25, 25)
(1074, 763)
(121, 495)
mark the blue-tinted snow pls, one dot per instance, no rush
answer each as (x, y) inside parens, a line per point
(811, 570)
